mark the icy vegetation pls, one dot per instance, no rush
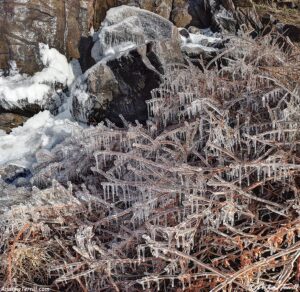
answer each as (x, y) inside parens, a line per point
(203, 198)
(18, 90)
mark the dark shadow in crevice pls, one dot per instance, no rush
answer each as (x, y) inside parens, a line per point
(85, 49)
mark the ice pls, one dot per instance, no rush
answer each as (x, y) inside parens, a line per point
(126, 27)
(199, 43)
(204, 40)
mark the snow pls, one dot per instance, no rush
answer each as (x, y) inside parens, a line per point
(41, 131)
(19, 89)
(44, 130)
(57, 67)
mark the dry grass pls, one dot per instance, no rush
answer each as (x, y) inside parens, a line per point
(284, 15)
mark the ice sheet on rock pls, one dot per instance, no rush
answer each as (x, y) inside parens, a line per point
(202, 39)
(200, 43)
(126, 27)
(17, 90)
(41, 131)
(197, 49)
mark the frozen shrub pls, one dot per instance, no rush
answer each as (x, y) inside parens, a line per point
(205, 198)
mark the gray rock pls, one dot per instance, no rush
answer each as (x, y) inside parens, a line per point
(131, 49)
(128, 27)
(184, 32)
(13, 174)
(118, 86)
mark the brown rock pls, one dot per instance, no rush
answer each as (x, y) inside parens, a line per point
(59, 23)
(164, 8)
(180, 17)
(8, 121)
(100, 9)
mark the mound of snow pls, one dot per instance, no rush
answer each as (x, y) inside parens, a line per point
(41, 131)
(18, 90)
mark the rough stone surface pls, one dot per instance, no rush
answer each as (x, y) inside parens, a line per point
(9, 173)
(119, 86)
(175, 10)
(26, 23)
(65, 24)
(122, 79)
(8, 121)
(127, 26)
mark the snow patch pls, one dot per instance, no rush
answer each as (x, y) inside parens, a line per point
(41, 131)
(19, 89)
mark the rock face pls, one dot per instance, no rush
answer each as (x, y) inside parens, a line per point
(132, 47)
(182, 13)
(174, 10)
(26, 23)
(223, 15)
(65, 24)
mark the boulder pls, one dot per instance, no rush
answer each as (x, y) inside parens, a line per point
(174, 10)
(66, 24)
(131, 49)
(201, 13)
(127, 27)
(180, 15)
(118, 86)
